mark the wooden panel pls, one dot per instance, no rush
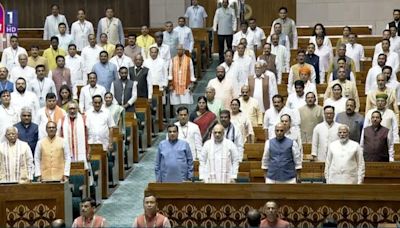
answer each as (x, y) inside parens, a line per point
(97, 153)
(130, 16)
(133, 151)
(35, 205)
(77, 169)
(303, 205)
(142, 105)
(158, 95)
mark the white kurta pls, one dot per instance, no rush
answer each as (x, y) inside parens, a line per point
(244, 124)
(90, 56)
(272, 117)
(344, 163)
(325, 58)
(245, 68)
(28, 73)
(187, 97)
(340, 104)
(258, 93)
(370, 82)
(87, 92)
(239, 35)
(185, 36)
(219, 162)
(296, 102)
(158, 71)
(8, 117)
(64, 41)
(283, 60)
(392, 59)
(27, 99)
(41, 88)
(191, 134)
(80, 32)
(356, 53)
(76, 66)
(123, 61)
(51, 25)
(11, 160)
(98, 124)
(231, 72)
(258, 35)
(323, 135)
(163, 53)
(9, 58)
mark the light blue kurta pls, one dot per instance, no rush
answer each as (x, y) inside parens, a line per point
(106, 74)
(174, 161)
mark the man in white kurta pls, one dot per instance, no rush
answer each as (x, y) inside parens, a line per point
(257, 33)
(324, 133)
(282, 55)
(88, 91)
(52, 21)
(100, 123)
(23, 70)
(232, 132)
(344, 162)
(243, 33)
(231, 69)
(163, 49)
(244, 66)
(21, 97)
(189, 132)
(219, 159)
(373, 72)
(90, 54)
(9, 116)
(16, 160)
(111, 26)
(74, 63)
(259, 88)
(80, 30)
(224, 90)
(355, 51)
(64, 38)
(185, 34)
(42, 85)
(158, 70)
(392, 57)
(9, 58)
(51, 112)
(120, 59)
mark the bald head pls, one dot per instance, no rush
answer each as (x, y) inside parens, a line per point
(280, 130)
(218, 132)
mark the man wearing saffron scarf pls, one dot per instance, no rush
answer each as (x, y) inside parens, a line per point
(181, 77)
(51, 112)
(88, 218)
(16, 160)
(151, 218)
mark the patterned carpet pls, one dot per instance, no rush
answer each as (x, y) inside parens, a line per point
(127, 201)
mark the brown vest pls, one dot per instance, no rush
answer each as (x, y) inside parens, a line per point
(52, 158)
(270, 60)
(376, 144)
(159, 221)
(265, 89)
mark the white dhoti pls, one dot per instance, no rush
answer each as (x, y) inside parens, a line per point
(186, 98)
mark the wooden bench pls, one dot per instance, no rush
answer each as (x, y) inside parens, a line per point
(365, 40)
(143, 108)
(132, 137)
(259, 133)
(119, 150)
(255, 151)
(97, 153)
(158, 96)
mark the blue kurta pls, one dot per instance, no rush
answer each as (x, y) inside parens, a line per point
(28, 134)
(106, 74)
(174, 161)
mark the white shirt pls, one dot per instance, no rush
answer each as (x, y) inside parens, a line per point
(28, 73)
(245, 68)
(370, 82)
(258, 89)
(190, 132)
(163, 53)
(234, 134)
(41, 88)
(98, 125)
(185, 36)
(296, 102)
(75, 65)
(51, 25)
(8, 117)
(123, 61)
(393, 47)
(85, 97)
(42, 120)
(323, 135)
(356, 53)
(80, 32)
(133, 92)
(272, 117)
(231, 72)
(340, 105)
(64, 41)
(325, 55)
(287, 41)
(90, 57)
(258, 35)
(27, 99)
(239, 35)
(344, 163)
(395, 44)
(157, 71)
(392, 59)
(196, 16)
(282, 57)
(9, 58)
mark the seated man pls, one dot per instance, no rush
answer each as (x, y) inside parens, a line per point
(88, 218)
(16, 161)
(151, 218)
(219, 150)
(376, 141)
(281, 160)
(272, 219)
(344, 162)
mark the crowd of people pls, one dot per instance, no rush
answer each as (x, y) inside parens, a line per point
(54, 105)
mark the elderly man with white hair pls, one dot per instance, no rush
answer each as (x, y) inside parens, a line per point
(16, 160)
(344, 162)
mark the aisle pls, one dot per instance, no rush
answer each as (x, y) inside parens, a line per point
(127, 201)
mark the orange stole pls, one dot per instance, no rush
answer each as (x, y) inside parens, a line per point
(158, 223)
(180, 74)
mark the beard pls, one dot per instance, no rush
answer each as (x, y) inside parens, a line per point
(21, 89)
(344, 141)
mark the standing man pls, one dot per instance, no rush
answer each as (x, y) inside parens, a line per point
(344, 162)
(5, 84)
(271, 62)
(23, 70)
(158, 68)
(224, 90)
(282, 160)
(174, 161)
(251, 107)
(52, 52)
(272, 219)
(324, 133)
(74, 63)
(120, 59)
(377, 143)
(163, 49)
(294, 73)
(282, 57)
(51, 112)
(24, 98)
(106, 71)
(189, 132)
(395, 22)
(131, 50)
(257, 33)
(9, 115)
(27, 131)
(81, 29)
(9, 57)
(311, 114)
(313, 59)
(219, 160)
(225, 25)
(214, 105)
(88, 91)
(52, 21)
(16, 160)
(111, 26)
(90, 54)
(352, 119)
(88, 218)
(124, 90)
(288, 26)
(35, 59)
(52, 161)
(232, 132)
(196, 15)
(140, 74)
(64, 38)
(355, 51)
(151, 218)
(185, 35)
(100, 124)
(181, 77)
(42, 85)
(171, 38)
(61, 75)
(145, 40)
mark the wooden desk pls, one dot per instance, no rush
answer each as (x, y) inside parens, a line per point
(158, 95)
(118, 139)
(303, 205)
(78, 169)
(35, 205)
(133, 138)
(142, 105)
(97, 153)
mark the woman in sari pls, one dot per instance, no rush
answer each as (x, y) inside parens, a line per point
(65, 96)
(203, 117)
(240, 120)
(117, 112)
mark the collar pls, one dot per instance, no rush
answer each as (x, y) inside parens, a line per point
(100, 111)
(138, 67)
(261, 76)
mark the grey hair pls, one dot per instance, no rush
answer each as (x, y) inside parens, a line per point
(345, 126)
(26, 109)
(210, 88)
(12, 128)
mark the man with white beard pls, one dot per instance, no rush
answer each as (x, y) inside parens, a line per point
(344, 162)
